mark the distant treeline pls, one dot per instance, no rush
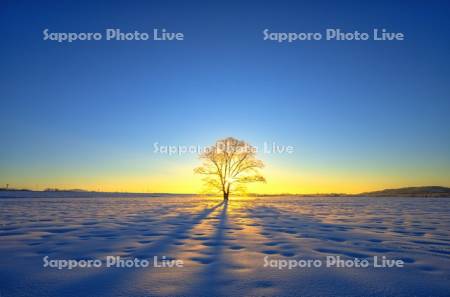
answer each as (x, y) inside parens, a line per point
(427, 191)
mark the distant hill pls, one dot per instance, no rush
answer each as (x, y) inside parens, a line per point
(428, 191)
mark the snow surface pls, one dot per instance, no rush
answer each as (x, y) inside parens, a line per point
(223, 245)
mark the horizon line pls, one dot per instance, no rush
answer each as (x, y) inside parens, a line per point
(205, 194)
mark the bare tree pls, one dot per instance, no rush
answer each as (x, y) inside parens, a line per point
(229, 165)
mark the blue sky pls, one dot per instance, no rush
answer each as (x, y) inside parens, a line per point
(86, 114)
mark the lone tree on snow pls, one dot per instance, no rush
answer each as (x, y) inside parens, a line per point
(229, 165)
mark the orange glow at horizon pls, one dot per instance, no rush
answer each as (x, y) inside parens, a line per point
(182, 180)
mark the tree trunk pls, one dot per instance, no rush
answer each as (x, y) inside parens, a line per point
(225, 196)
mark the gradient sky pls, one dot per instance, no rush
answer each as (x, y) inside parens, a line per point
(361, 115)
